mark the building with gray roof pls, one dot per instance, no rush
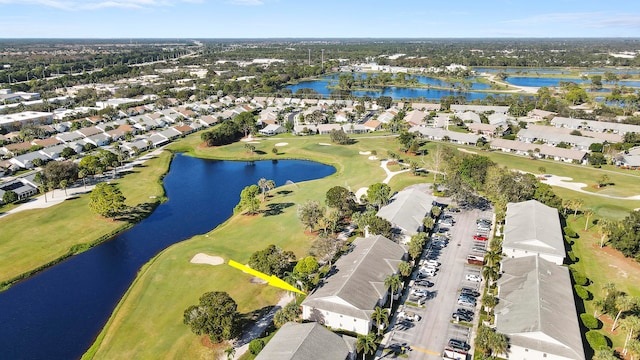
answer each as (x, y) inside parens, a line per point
(532, 228)
(346, 298)
(480, 108)
(405, 212)
(442, 134)
(308, 341)
(536, 310)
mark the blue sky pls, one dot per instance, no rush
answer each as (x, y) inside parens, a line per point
(318, 19)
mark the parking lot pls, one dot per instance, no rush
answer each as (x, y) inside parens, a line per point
(435, 305)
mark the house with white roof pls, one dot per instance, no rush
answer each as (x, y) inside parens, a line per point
(536, 310)
(406, 211)
(533, 228)
(272, 129)
(348, 295)
(296, 341)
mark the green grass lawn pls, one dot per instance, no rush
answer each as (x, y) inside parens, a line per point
(148, 321)
(33, 238)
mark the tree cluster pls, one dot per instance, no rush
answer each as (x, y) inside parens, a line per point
(215, 315)
(340, 137)
(272, 260)
(107, 200)
(625, 235)
(225, 133)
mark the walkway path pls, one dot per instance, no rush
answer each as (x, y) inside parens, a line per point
(390, 174)
(242, 345)
(55, 197)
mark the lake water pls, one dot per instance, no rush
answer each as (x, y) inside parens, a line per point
(58, 313)
(540, 81)
(396, 93)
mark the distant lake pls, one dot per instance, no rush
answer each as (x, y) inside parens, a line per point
(541, 81)
(522, 70)
(321, 86)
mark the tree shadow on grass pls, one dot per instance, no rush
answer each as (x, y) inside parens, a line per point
(247, 320)
(135, 214)
(284, 192)
(276, 208)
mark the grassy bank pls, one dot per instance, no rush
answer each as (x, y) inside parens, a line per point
(35, 239)
(148, 320)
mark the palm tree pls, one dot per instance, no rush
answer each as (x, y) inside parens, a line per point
(492, 257)
(230, 352)
(428, 222)
(624, 303)
(394, 283)
(576, 205)
(604, 227)
(490, 273)
(498, 343)
(489, 301)
(366, 344)
(604, 354)
(405, 268)
(262, 184)
(587, 212)
(381, 317)
(634, 348)
(631, 324)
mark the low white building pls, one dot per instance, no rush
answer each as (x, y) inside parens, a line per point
(348, 295)
(533, 228)
(406, 212)
(536, 311)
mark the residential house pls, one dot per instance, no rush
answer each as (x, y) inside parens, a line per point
(48, 142)
(425, 106)
(541, 114)
(539, 151)
(629, 159)
(101, 139)
(468, 117)
(295, 341)
(486, 130)
(327, 128)
(348, 295)
(208, 120)
(305, 129)
(354, 128)
(479, 108)
(17, 120)
(373, 125)
(444, 135)
(536, 310)
(22, 189)
(387, 115)
(416, 117)
(533, 228)
(272, 129)
(593, 125)
(546, 134)
(406, 212)
(25, 161)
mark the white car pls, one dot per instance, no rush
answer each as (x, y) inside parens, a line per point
(466, 302)
(419, 292)
(409, 315)
(473, 277)
(432, 263)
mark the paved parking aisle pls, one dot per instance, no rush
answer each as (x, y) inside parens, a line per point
(429, 336)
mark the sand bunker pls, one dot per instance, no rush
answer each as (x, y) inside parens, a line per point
(361, 192)
(281, 144)
(373, 157)
(201, 258)
(365, 152)
(324, 144)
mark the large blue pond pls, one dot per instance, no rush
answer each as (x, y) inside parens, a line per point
(58, 313)
(321, 86)
(541, 81)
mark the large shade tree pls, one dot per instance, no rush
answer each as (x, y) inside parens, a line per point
(216, 316)
(107, 200)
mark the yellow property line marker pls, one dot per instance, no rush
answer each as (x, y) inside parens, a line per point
(271, 280)
(425, 351)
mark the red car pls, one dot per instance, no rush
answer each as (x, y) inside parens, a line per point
(480, 237)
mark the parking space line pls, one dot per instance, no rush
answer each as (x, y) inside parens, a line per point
(425, 351)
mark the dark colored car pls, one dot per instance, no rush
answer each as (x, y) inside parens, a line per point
(459, 345)
(464, 312)
(469, 291)
(461, 317)
(426, 283)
